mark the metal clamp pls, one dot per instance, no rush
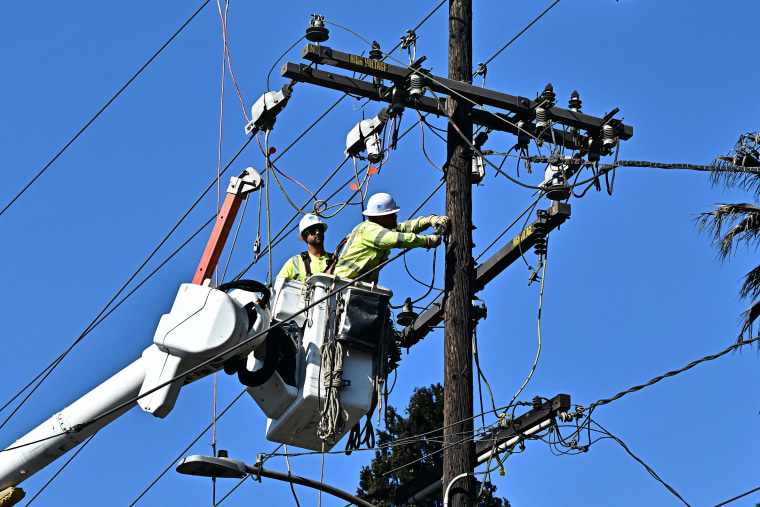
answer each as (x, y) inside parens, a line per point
(246, 183)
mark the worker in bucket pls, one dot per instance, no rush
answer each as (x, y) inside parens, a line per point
(370, 242)
(311, 229)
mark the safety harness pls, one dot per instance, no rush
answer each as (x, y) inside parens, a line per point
(307, 262)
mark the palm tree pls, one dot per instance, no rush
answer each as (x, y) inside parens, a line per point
(731, 225)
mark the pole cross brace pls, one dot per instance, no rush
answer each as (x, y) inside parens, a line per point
(484, 273)
(424, 485)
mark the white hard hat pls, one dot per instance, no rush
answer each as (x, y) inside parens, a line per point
(306, 222)
(380, 204)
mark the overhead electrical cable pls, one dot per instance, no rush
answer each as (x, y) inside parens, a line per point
(60, 470)
(292, 488)
(516, 36)
(279, 236)
(221, 354)
(648, 468)
(226, 54)
(738, 497)
(538, 352)
(481, 375)
(104, 107)
(281, 57)
(236, 486)
(92, 324)
(619, 395)
(691, 167)
(234, 240)
(179, 456)
(527, 210)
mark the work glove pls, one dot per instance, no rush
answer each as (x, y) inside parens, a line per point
(439, 221)
(432, 240)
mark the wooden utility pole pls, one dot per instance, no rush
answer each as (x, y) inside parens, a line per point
(540, 119)
(459, 453)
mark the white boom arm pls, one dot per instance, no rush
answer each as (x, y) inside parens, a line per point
(203, 322)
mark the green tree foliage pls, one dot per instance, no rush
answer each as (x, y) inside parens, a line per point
(731, 225)
(416, 440)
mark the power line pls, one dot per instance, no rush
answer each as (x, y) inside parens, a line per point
(672, 373)
(61, 469)
(104, 107)
(95, 321)
(648, 468)
(233, 348)
(518, 35)
(738, 497)
(187, 448)
(691, 167)
(276, 241)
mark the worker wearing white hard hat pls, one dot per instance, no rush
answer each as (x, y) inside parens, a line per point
(370, 242)
(311, 229)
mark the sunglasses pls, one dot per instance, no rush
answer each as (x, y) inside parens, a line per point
(309, 231)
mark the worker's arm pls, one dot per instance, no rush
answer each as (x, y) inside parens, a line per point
(387, 239)
(414, 225)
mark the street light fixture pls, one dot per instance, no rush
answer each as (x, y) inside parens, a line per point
(209, 466)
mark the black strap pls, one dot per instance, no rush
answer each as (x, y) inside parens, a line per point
(334, 260)
(307, 261)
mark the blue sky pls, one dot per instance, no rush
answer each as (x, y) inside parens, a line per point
(631, 291)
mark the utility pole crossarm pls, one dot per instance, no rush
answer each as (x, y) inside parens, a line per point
(354, 86)
(521, 244)
(523, 107)
(424, 485)
(498, 262)
(546, 411)
(493, 120)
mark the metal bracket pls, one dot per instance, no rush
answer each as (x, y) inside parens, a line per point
(246, 183)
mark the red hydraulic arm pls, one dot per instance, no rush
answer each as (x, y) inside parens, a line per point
(239, 188)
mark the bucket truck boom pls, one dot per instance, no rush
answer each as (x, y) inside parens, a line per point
(203, 323)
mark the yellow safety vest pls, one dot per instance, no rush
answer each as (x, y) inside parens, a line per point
(296, 269)
(369, 244)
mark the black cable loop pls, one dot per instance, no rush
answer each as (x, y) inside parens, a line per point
(281, 57)
(276, 241)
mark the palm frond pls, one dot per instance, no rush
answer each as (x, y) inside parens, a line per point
(748, 318)
(751, 284)
(742, 221)
(745, 153)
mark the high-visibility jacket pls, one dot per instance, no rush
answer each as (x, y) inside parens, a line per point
(297, 269)
(369, 244)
